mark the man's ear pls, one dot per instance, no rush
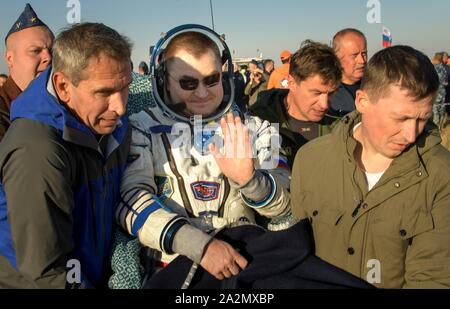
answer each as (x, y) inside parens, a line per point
(9, 58)
(62, 86)
(362, 101)
(292, 83)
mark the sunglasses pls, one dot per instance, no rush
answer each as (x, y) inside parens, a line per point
(190, 83)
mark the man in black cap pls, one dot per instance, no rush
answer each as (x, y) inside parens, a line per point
(28, 53)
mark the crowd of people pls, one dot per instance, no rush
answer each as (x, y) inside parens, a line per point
(327, 171)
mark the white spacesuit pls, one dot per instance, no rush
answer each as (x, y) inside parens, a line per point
(173, 192)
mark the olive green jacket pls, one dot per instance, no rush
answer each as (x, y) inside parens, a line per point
(398, 234)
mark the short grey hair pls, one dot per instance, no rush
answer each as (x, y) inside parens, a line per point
(77, 44)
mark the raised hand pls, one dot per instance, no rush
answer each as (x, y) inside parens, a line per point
(237, 161)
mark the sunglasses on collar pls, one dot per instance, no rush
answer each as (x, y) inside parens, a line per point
(190, 83)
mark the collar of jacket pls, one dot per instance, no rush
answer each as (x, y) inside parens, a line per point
(271, 104)
(271, 107)
(39, 102)
(409, 160)
(10, 91)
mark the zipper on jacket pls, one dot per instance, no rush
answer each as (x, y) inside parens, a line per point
(173, 168)
(180, 180)
(104, 194)
(360, 196)
(225, 196)
(94, 215)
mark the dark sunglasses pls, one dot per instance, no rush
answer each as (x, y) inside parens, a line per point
(190, 84)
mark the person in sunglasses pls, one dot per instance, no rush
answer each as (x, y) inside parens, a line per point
(173, 193)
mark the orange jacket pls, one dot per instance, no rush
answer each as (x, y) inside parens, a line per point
(279, 77)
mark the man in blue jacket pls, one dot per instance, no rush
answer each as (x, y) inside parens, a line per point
(61, 163)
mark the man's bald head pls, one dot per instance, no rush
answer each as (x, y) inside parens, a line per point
(351, 32)
(28, 53)
(350, 45)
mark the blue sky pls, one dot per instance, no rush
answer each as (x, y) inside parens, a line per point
(250, 25)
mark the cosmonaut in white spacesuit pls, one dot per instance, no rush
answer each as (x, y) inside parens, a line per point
(194, 166)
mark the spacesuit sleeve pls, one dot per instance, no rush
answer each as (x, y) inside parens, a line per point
(139, 211)
(267, 192)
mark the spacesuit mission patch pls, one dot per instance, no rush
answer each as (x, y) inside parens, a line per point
(205, 190)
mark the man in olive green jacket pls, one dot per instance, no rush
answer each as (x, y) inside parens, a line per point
(377, 189)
